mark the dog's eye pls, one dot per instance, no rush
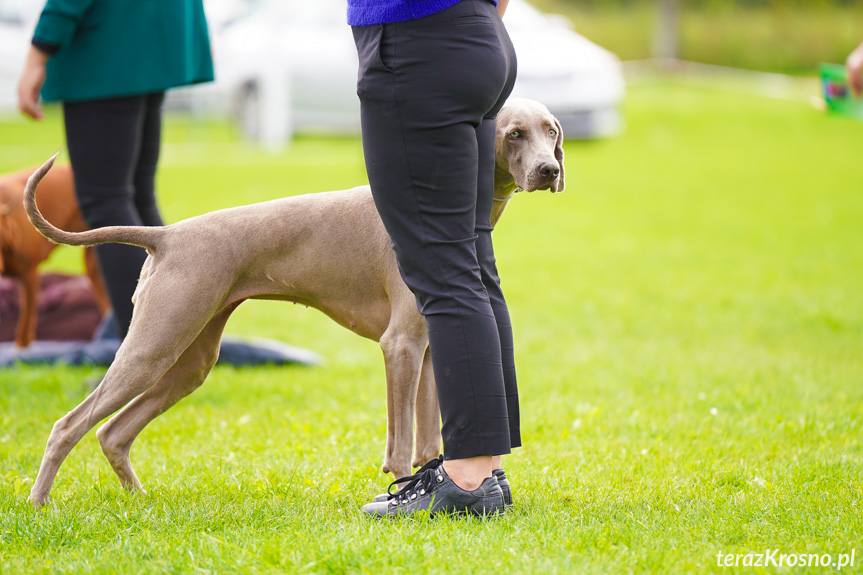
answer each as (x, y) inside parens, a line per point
(515, 134)
(552, 132)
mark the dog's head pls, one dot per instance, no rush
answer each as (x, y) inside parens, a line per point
(529, 145)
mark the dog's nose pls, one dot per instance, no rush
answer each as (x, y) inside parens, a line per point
(549, 171)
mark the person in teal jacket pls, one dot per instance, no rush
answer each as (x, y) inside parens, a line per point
(109, 62)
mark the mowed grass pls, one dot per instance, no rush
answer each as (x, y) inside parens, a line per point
(689, 329)
(788, 36)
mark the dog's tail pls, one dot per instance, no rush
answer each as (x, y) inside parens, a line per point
(143, 236)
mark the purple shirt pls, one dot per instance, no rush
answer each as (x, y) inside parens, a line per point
(368, 12)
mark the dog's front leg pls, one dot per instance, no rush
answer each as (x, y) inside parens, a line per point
(428, 438)
(28, 297)
(402, 359)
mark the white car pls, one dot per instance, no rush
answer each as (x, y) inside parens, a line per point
(580, 83)
(291, 66)
(286, 67)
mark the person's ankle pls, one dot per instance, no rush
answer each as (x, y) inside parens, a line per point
(468, 474)
(465, 482)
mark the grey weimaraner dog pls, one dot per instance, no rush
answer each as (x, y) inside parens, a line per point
(326, 250)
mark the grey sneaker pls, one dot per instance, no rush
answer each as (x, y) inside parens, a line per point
(431, 489)
(500, 474)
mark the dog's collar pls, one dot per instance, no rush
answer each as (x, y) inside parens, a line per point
(508, 198)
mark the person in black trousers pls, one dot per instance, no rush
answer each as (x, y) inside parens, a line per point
(109, 62)
(114, 149)
(433, 75)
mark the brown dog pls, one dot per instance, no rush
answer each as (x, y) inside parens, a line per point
(22, 248)
(327, 250)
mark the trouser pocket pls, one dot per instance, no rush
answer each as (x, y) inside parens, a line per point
(374, 53)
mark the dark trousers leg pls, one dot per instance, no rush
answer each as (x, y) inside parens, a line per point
(423, 109)
(144, 179)
(490, 279)
(114, 148)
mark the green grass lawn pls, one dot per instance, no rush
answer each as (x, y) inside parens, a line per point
(689, 329)
(789, 36)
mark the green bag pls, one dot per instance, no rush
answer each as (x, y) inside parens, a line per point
(837, 93)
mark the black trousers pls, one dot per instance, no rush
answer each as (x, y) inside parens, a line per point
(429, 91)
(114, 148)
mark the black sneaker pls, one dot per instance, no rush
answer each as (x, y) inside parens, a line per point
(432, 464)
(432, 490)
(500, 474)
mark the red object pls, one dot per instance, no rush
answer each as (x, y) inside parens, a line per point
(67, 309)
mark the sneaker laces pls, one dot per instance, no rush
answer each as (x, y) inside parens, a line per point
(420, 482)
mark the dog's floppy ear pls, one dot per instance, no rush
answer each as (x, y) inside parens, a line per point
(558, 155)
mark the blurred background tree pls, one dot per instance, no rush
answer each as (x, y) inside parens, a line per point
(790, 36)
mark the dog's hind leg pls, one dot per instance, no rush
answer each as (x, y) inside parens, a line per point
(156, 339)
(402, 359)
(184, 377)
(428, 439)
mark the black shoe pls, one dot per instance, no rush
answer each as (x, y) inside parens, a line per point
(432, 464)
(500, 474)
(432, 490)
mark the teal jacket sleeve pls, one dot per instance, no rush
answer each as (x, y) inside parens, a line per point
(59, 20)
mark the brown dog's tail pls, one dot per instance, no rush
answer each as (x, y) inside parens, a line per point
(143, 236)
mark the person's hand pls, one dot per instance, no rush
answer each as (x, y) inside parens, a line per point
(854, 70)
(31, 82)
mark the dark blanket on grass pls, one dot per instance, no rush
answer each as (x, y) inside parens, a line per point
(70, 331)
